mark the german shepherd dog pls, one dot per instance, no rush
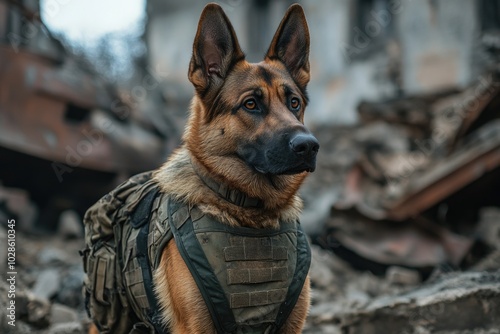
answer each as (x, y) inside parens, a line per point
(246, 131)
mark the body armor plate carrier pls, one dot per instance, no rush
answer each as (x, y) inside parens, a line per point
(250, 279)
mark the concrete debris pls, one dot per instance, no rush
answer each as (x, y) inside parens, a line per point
(377, 245)
(48, 287)
(62, 314)
(50, 255)
(16, 204)
(433, 308)
(33, 310)
(67, 328)
(414, 217)
(70, 225)
(37, 315)
(363, 303)
(422, 171)
(70, 293)
(47, 284)
(402, 276)
(488, 229)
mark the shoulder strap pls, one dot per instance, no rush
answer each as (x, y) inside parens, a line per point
(202, 272)
(140, 219)
(208, 284)
(142, 212)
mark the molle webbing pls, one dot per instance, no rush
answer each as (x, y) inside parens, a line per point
(250, 279)
(117, 284)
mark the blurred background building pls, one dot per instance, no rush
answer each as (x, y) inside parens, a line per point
(361, 49)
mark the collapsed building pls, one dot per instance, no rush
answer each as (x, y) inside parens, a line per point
(67, 136)
(418, 201)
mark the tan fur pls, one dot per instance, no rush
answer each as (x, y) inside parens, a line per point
(177, 177)
(209, 149)
(93, 329)
(183, 306)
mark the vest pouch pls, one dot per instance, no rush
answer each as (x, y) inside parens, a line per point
(101, 291)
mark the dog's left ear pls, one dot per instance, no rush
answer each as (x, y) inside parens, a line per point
(290, 44)
(215, 49)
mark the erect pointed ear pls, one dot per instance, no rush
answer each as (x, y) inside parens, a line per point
(215, 49)
(290, 44)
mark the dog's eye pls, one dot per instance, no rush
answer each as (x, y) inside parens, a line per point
(250, 104)
(295, 104)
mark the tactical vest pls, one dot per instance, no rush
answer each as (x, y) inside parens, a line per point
(250, 279)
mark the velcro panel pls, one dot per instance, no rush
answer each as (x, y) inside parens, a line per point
(234, 253)
(254, 249)
(280, 253)
(258, 298)
(256, 275)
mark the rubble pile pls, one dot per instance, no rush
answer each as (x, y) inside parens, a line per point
(48, 285)
(414, 220)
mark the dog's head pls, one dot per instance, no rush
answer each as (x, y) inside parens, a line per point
(251, 116)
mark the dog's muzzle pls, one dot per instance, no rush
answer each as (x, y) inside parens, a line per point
(304, 145)
(287, 153)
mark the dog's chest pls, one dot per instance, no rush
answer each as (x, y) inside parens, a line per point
(249, 278)
(255, 269)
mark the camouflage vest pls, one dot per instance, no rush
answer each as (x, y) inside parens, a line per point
(250, 279)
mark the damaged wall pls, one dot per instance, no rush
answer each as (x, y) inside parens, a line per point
(359, 49)
(60, 118)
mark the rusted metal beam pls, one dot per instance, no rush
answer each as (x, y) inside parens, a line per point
(450, 175)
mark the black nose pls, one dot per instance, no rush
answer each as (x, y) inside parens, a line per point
(304, 144)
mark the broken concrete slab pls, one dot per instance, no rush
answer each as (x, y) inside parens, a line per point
(62, 314)
(47, 284)
(415, 245)
(402, 276)
(479, 156)
(67, 328)
(70, 225)
(435, 307)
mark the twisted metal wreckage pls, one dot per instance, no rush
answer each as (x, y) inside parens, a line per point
(427, 173)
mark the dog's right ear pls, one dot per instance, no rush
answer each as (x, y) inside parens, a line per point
(215, 49)
(290, 44)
